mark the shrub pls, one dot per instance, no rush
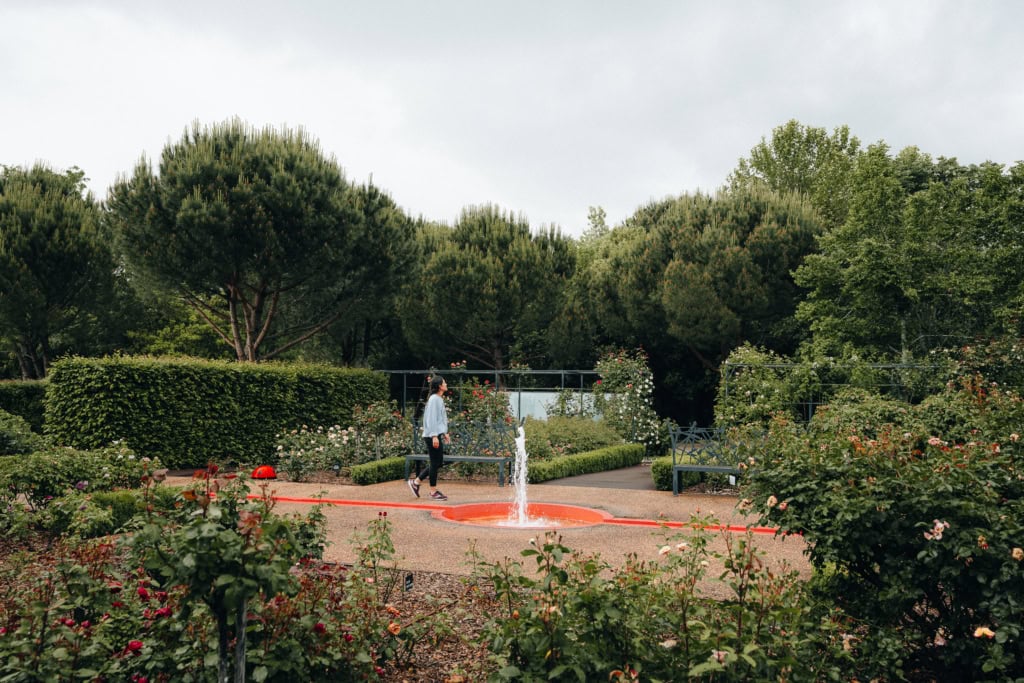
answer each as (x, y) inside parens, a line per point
(661, 472)
(566, 435)
(862, 411)
(24, 398)
(45, 475)
(91, 613)
(190, 412)
(624, 398)
(377, 471)
(611, 458)
(377, 431)
(753, 387)
(576, 618)
(16, 436)
(921, 533)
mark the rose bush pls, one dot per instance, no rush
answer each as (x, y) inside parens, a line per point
(377, 431)
(575, 618)
(915, 528)
(624, 397)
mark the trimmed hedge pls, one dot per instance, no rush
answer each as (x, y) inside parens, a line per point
(610, 458)
(188, 412)
(385, 469)
(567, 435)
(24, 398)
(661, 473)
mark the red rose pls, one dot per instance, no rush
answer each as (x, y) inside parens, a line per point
(319, 627)
(134, 645)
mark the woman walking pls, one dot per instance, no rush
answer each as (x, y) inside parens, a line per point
(435, 435)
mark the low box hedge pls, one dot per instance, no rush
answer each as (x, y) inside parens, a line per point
(385, 469)
(661, 473)
(602, 460)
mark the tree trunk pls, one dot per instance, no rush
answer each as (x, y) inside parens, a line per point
(240, 623)
(222, 645)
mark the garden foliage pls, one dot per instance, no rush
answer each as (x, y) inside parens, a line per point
(574, 618)
(189, 412)
(913, 518)
(16, 435)
(377, 431)
(624, 398)
(24, 398)
(209, 587)
(566, 435)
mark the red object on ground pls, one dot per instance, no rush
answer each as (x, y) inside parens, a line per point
(264, 472)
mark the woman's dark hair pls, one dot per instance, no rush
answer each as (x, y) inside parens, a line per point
(435, 384)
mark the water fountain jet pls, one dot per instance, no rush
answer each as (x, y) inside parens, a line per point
(521, 514)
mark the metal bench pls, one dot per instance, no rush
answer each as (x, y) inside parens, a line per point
(705, 448)
(475, 442)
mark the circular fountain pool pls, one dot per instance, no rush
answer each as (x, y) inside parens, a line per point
(538, 515)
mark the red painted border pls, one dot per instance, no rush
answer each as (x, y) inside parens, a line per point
(617, 521)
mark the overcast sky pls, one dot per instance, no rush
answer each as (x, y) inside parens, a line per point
(543, 108)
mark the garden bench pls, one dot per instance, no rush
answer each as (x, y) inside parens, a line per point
(475, 442)
(705, 448)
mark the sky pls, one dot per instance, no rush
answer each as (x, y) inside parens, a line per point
(544, 108)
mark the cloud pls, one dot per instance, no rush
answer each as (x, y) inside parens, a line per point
(541, 108)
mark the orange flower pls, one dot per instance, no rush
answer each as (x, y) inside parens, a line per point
(984, 632)
(394, 629)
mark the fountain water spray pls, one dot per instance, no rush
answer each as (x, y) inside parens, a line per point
(518, 514)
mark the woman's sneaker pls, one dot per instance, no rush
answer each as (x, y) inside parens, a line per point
(414, 487)
(437, 495)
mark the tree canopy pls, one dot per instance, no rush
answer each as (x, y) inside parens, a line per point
(56, 271)
(481, 285)
(805, 160)
(258, 231)
(929, 257)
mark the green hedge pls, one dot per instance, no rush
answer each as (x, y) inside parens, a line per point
(188, 412)
(611, 458)
(567, 435)
(661, 473)
(385, 469)
(24, 398)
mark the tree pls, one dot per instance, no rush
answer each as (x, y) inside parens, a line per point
(482, 284)
(369, 332)
(927, 258)
(56, 273)
(259, 232)
(804, 160)
(689, 278)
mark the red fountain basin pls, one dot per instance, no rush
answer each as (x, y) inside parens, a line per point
(540, 515)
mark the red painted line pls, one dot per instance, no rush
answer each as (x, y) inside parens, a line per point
(618, 521)
(354, 503)
(735, 528)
